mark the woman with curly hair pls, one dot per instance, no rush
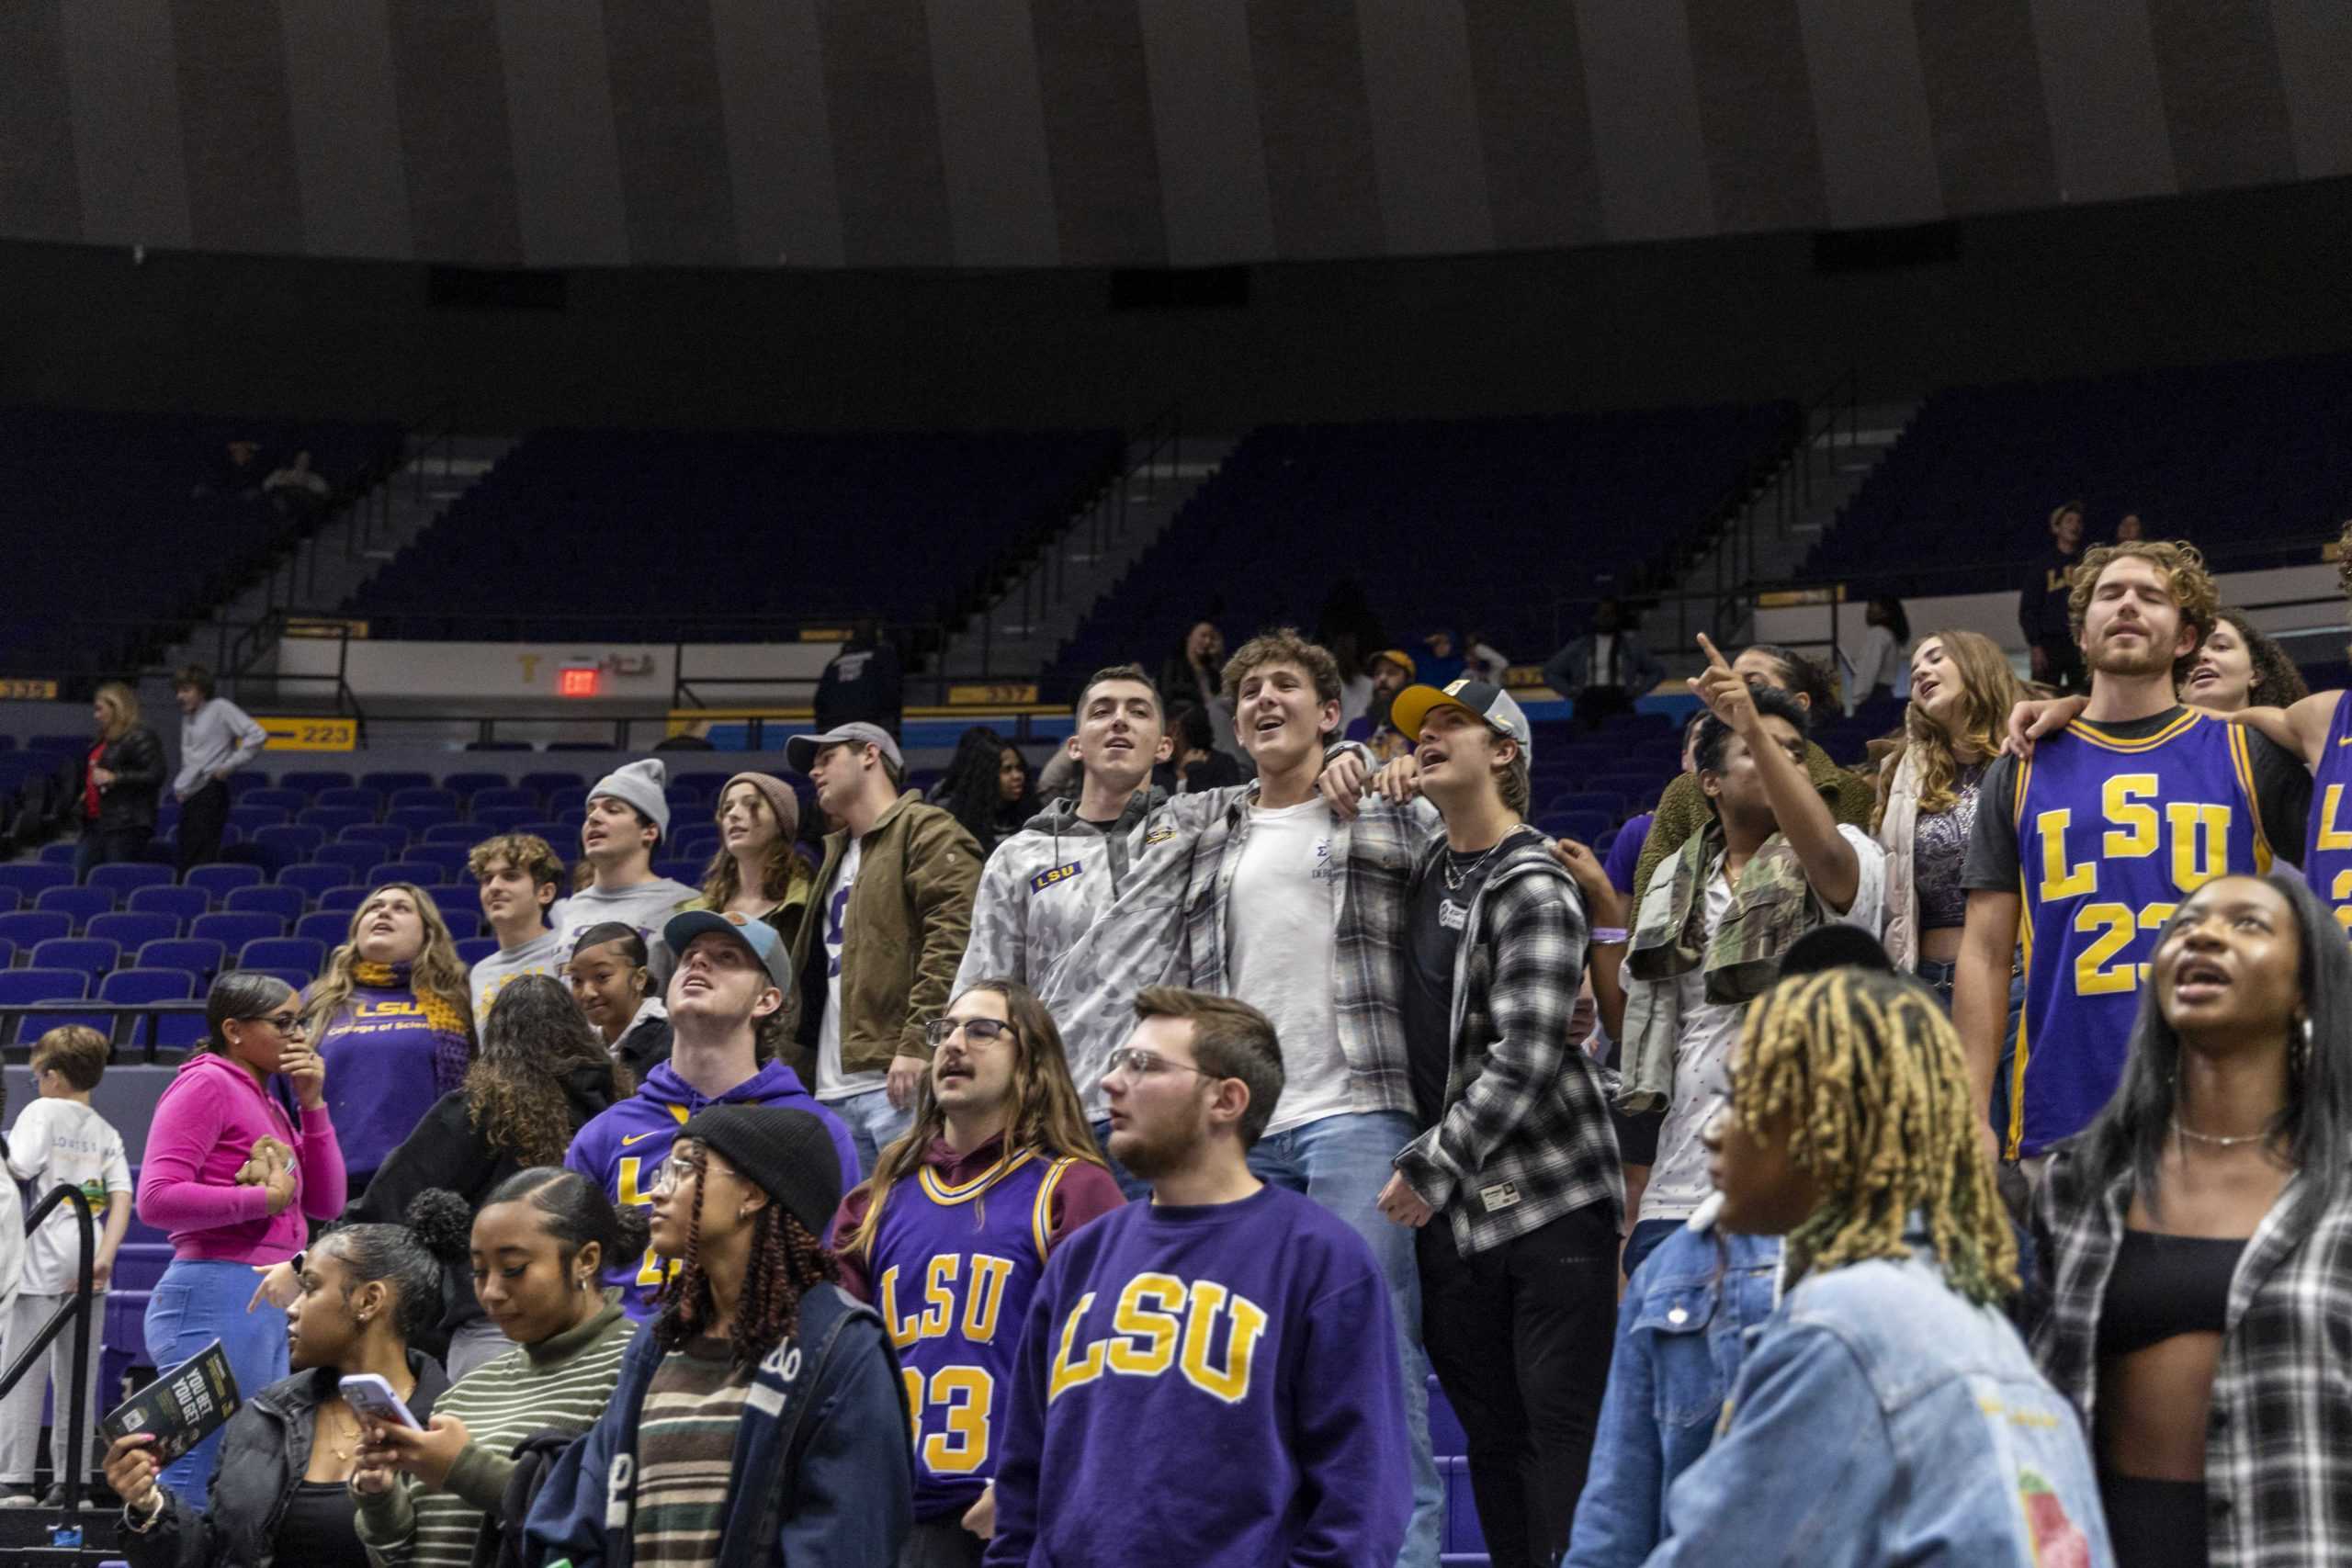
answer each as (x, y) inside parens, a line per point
(988, 787)
(1887, 1412)
(392, 1018)
(760, 1372)
(2237, 667)
(756, 871)
(542, 1074)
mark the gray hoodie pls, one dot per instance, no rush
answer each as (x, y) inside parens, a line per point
(1039, 918)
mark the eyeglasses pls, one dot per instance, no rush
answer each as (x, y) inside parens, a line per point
(284, 1022)
(1138, 1062)
(976, 1030)
(679, 1169)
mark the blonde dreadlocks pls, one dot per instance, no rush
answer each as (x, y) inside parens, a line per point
(1867, 1074)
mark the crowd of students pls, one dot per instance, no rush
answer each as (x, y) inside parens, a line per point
(1939, 1161)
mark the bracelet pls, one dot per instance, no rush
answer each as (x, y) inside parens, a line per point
(1609, 936)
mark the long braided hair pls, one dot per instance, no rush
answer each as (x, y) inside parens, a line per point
(786, 1261)
(1867, 1074)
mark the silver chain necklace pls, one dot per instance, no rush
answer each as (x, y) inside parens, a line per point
(1455, 879)
(2216, 1139)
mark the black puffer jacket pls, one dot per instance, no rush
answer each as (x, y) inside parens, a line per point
(448, 1151)
(136, 759)
(264, 1448)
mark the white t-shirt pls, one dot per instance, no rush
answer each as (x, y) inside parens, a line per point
(1678, 1181)
(831, 1082)
(54, 1141)
(1284, 916)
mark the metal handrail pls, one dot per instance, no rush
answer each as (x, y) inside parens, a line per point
(78, 1310)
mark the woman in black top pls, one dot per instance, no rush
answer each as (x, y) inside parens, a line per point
(988, 787)
(2197, 1242)
(121, 780)
(280, 1492)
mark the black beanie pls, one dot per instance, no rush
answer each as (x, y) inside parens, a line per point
(788, 1154)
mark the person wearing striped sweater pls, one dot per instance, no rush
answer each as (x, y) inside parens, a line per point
(538, 1245)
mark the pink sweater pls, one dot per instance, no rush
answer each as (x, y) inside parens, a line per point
(203, 1128)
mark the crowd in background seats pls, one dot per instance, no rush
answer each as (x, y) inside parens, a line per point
(1934, 1156)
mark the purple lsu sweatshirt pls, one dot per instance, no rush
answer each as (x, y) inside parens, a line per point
(1256, 1330)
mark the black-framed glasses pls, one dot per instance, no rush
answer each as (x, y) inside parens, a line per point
(976, 1030)
(284, 1022)
(1137, 1062)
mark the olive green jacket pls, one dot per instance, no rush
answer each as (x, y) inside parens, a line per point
(1682, 810)
(905, 926)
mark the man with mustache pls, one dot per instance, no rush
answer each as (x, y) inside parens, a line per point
(2084, 849)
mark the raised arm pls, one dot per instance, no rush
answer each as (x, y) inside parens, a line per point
(1831, 867)
(2302, 729)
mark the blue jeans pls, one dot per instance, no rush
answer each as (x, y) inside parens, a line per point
(1343, 1162)
(196, 1303)
(1938, 974)
(1133, 1187)
(873, 1123)
(1644, 1239)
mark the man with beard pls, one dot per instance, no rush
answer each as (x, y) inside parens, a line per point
(2084, 849)
(1209, 1377)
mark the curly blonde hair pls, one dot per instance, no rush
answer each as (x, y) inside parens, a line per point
(437, 972)
(1989, 689)
(2192, 586)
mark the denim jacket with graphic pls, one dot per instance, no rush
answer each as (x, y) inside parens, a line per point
(1683, 1332)
(1880, 1417)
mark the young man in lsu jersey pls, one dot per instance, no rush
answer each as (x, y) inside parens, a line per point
(1211, 1376)
(2082, 851)
(949, 1236)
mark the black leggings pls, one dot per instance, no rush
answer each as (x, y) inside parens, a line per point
(2154, 1524)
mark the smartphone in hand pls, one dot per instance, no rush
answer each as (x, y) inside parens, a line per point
(373, 1398)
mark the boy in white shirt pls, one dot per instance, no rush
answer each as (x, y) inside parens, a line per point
(59, 1139)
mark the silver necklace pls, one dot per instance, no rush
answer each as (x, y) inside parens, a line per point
(1455, 879)
(2216, 1139)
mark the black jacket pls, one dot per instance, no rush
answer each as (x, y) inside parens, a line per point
(136, 759)
(862, 683)
(2042, 615)
(264, 1448)
(446, 1150)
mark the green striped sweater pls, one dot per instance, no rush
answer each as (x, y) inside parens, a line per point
(564, 1383)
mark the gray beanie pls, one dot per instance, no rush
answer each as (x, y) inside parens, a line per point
(641, 784)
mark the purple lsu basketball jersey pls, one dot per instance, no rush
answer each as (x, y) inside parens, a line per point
(2112, 834)
(2327, 850)
(953, 1270)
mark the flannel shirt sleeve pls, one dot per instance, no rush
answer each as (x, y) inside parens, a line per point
(1538, 942)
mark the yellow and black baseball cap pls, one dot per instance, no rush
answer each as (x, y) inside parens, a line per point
(1482, 700)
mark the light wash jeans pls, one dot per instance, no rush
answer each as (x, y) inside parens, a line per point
(873, 1124)
(196, 1302)
(1343, 1162)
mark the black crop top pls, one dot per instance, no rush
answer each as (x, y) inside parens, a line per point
(2164, 1285)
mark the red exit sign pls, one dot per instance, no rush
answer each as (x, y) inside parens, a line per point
(578, 681)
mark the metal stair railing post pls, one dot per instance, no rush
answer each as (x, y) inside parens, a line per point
(78, 1309)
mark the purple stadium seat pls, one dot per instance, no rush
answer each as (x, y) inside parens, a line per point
(32, 878)
(131, 930)
(26, 927)
(328, 928)
(183, 904)
(273, 898)
(216, 880)
(233, 931)
(294, 952)
(123, 879)
(93, 956)
(79, 903)
(201, 957)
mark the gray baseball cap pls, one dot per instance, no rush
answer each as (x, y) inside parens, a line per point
(801, 750)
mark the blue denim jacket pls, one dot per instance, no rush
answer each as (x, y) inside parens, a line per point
(1682, 1335)
(1882, 1419)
